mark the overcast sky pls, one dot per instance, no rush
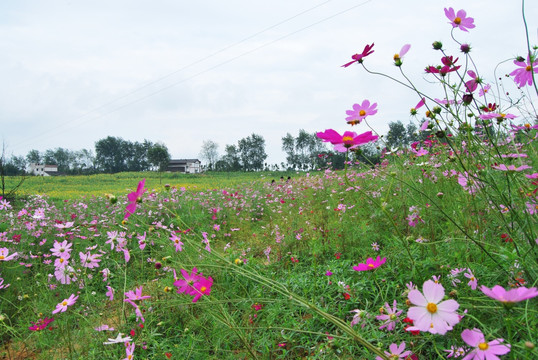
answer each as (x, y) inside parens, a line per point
(181, 72)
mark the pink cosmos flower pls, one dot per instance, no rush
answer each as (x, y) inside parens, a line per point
(349, 140)
(203, 287)
(103, 328)
(62, 249)
(482, 349)
(360, 316)
(511, 296)
(4, 254)
(503, 167)
(430, 313)
(473, 282)
(358, 57)
(177, 242)
(136, 295)
(420, 104)
(110, 293)
(370, 264)
(472, 84)
(89, 260)
(398, 57)
(40, 324)
(459, 19)
(484, 90)
(391, 317)
(185, 285)
(134, 198)
(62, 307)
(360, 112)
(523, 74)
(492, 115)
(396, 352)
(129, 351)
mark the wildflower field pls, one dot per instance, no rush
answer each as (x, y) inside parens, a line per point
(430, 254)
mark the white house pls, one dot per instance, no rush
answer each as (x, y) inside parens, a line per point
(189, 166)
(43, 170)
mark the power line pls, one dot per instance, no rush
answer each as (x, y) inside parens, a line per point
(200, 72)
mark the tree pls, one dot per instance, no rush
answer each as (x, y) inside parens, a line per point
(252, 152)
(33, 157)
(230, 161)
(397, 136)
(288, 146)
(109, 155)
(209, 153)
(302, 151)
(159, 157)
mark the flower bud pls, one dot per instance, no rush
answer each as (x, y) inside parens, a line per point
(437, 45)
(465, 48)
(467, 99)
(529, 345)
(520, 59)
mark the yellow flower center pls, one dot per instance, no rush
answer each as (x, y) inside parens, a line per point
(362, 113)
(393, 317)
(371, 266)
(203, 289)
(61, 260)
(432, 308)
(2, 257)
(457, 21)
(347, 138)
(64, 303)
(396, 57)
(483, 346)
(528, 68)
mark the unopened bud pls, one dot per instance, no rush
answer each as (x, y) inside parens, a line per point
(437, 45)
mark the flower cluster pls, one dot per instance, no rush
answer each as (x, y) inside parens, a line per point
(194, 284)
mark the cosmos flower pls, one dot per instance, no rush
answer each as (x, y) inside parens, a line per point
(391, 317)
(40, 324)
(134, 198)
(358, 57)
(492, 115)
(118, 339)
(523, 74)
(370, 264)
(482, 349)
(398, 57)
(360, 112)
(62, 307)
(349, 140)
(430, 313)
(136, 295)
(511, 296)
(459, 19)
(396, 352)
(4, 254)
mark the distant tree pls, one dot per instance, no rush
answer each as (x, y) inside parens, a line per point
(9, 168)
(159, 157)
(302, 152)
(397, 135)
(230, 161)
(210, 153)
(110, 155)
(252, 152)
(33, 157)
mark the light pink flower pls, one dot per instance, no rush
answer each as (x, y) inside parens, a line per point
(398, 57)
(483, 91)
(473, 282)
(360, 112)
(89, 260)
(129, 351)
(511, 296)
(482, 349)
(459, 19)
(370, 264)
(391, 317)
(136, 295)
(4, 254)
(503, 167)
(62, 307)
(110, 293)
(492, 115)
(396, 352)
(523, 74)
(177, 242)
(430, 313)
(62, 249)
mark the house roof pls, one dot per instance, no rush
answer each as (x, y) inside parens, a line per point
(183, 161)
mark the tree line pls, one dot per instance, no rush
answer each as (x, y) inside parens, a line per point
(304, 152)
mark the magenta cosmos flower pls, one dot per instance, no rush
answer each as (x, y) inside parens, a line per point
(134, 198)
(62, 307)
(511, 296)
(360, 112)
(523, 74)
(358, 57)
(459, 19)
(482, 349)
(370, 264)
(349, 140)
(430, 313)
